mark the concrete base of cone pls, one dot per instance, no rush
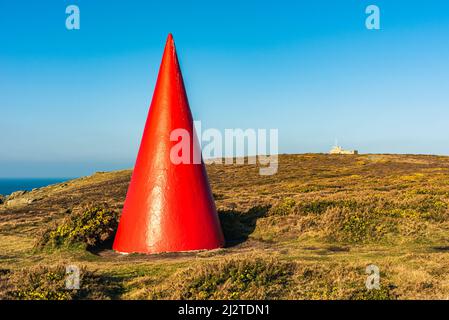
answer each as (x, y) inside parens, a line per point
(168, 252)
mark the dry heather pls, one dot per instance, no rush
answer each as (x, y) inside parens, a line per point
(307, 232)
(50, 283)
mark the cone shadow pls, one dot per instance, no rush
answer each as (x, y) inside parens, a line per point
(237, 226)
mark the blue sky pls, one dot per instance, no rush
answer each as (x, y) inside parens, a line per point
(75, 102)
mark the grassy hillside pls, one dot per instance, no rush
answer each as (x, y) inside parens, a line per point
(307, 232)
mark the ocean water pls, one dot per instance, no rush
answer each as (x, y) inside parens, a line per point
(9, 185)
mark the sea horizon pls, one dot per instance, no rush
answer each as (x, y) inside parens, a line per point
(10, 185)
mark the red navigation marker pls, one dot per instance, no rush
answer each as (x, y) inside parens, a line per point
(169, 207)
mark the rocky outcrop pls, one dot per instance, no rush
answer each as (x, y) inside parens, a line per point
(16, 194)
(18, 198)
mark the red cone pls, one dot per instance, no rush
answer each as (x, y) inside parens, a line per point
(168, 207)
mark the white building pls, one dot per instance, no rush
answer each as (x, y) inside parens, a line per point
(339, 150)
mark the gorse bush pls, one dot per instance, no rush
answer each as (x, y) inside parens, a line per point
(259, 277)
(361, 226)
(283, 208)
(249, 278)
(385, 292)
(361, 218)
(338, 280)
(40, 283)
(288, 206)
(91, 227)
(49, 283)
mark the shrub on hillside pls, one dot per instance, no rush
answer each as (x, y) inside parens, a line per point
(49, 283)
(338, 280)
(91, 227)
(250, 278)
(343, 224)
(283, 208)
